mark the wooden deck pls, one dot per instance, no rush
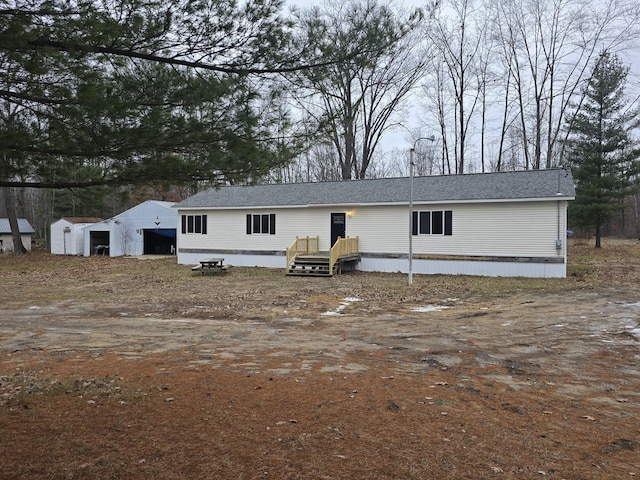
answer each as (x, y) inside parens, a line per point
(304, 259)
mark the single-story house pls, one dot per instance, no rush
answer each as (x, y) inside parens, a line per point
(495, 224)
(147, 228)
(6, 239)
(67, 234)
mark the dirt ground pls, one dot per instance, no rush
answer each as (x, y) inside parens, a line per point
(132, 368)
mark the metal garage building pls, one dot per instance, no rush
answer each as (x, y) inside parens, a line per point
(146, 229)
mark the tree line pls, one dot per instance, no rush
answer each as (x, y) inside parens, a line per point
(101, 98)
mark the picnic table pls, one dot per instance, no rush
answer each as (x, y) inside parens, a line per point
(211, 265)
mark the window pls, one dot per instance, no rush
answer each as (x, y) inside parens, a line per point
(261, 223)
(194, 224)
(435, 222)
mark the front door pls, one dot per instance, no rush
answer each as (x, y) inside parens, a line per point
(338, 226)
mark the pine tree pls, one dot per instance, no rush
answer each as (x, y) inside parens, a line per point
(602, 153)
(137, 91)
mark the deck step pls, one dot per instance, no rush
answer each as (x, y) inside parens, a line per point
(318, 265)
(308, 266)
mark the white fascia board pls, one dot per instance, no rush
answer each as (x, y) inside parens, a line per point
(382, 204)
(495, 200)
(271, 207)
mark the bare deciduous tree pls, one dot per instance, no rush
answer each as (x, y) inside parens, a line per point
(374, 65)
(547, 47)
(459, 73)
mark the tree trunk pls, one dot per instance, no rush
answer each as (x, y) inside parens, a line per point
(598, 237)
(10, 205)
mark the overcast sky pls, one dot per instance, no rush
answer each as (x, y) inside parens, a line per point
(401, 140)
(398, 138)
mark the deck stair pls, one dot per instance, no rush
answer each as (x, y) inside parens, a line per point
(305, 259)
(310, 266)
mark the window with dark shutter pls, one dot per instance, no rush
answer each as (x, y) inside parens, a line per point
(448, 222)
(194, 224)
(264, 223)
(272, 224)
(425, 223)
(436, 222)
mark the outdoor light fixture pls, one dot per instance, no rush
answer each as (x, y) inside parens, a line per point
(411, 165)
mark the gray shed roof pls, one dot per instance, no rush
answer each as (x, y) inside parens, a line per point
(23, 225)
(530, 184)
(75, 220)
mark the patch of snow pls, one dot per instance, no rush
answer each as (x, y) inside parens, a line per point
(344, 304)
(430, 308)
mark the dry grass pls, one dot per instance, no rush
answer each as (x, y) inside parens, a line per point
(96, 414)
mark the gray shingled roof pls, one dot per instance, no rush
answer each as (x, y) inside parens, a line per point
(23, 225)
(530, 184)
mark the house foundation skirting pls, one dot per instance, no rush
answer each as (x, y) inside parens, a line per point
(458, 266)
(238, 258)
(534, 267)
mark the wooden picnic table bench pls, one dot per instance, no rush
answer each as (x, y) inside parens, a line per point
(211, 265)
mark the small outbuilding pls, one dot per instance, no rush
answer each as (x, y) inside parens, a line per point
(6, 239)
(146, 229)
(495, 224)
(67, 234)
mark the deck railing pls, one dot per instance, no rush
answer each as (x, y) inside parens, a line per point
(342, 248)
(303, 246)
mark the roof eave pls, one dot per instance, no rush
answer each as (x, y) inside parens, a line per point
(381, 204)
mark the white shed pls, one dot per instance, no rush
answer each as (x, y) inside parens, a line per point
(497, 224)
(6, 239)
(147, 228)
(67, 234)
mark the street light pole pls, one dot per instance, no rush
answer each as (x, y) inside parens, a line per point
(411, 165)
(411, 216)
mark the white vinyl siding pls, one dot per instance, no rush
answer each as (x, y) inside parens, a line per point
(511, 229)
(527, 229)
(227, 229)
(383, 229)
(490, 229)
